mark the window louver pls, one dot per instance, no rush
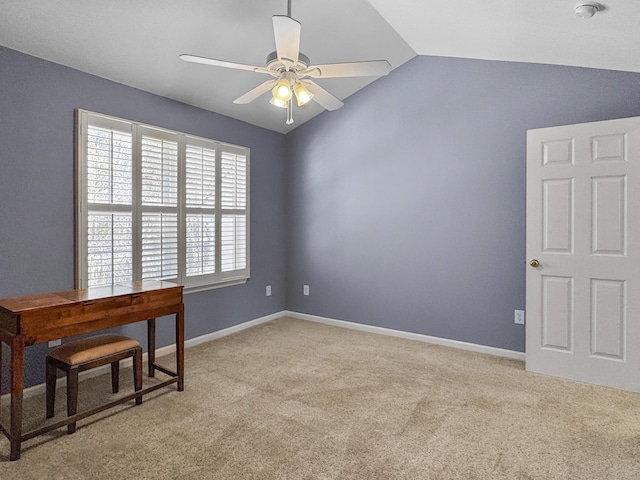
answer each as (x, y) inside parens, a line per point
(159, 245)
(234, 180)
(234, 253)
(109, 164)
(159, 172)
(201, 245)
(110, 248)
(200, 177)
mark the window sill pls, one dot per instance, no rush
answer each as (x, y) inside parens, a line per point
(228, 283)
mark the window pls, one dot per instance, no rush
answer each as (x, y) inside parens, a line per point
(153, 203)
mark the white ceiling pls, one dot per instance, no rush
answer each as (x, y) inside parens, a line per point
(541, 31)
(137, 42)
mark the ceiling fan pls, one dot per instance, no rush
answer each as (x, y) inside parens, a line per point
(292, 70)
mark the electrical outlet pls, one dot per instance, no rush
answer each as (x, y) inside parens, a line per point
(268, 290)
(55, 343)
(518, 317)
(305, 289)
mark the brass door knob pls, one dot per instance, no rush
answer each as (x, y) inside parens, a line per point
(534, 263)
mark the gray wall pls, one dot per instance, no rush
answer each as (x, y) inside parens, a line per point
(406, 208)
(37, 102)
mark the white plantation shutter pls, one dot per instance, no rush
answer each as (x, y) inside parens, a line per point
(159, 171)
(234, 180)
(159, 204)
(109, 247)
(201, 245)
(234, 253)
(201, 176)
(160, 245)
(109, 166)
(233, 211)
(200, 206)
(109, 224)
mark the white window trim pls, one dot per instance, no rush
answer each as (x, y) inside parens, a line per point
(191, 284)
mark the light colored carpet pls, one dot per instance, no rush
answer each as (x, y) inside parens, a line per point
(292, 399)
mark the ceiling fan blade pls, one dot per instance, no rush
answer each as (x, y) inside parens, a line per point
(354, 69)
(251, 95)
(323, 97)
(222, 63)
(286, 31)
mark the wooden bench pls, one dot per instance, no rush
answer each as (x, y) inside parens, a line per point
(87, 353)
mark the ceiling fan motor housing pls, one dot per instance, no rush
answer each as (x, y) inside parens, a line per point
(278, 66)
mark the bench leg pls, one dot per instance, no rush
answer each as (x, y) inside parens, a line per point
(115, 376)
(50, 388)
(137, 373)
(72, 397)
(151, 341)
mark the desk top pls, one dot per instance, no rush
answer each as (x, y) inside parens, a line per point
(32, 302)
(50, 316)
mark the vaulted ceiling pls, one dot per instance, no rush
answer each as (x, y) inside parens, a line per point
(137, 43)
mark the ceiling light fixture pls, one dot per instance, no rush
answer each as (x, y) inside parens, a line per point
(282, 90)
(278, 103)
(587, 9)
(303, 95)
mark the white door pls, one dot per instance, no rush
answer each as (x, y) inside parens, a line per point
(583, 251)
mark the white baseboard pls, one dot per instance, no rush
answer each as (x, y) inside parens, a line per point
(473, 347)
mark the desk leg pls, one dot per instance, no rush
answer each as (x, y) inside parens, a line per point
(151, 342)
(17, 385)
(180, 347)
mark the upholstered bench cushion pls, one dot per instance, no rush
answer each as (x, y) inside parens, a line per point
(87, 349)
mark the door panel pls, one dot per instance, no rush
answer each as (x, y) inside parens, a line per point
(608, 317)
(557, 313)
(583, 226)
(609, 216)
(558, 152)
(557, 226)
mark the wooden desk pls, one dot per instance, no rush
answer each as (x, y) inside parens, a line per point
(41, 318)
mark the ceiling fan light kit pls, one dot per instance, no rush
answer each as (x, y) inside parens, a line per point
(282, 90)
(278, 103)
(587, 9)
(303, 95)
(289, 67)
